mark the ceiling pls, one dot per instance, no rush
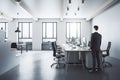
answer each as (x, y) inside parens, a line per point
(49, 8)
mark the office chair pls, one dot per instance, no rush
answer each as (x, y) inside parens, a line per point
(57, 54)
(106, 53)
(13, 45)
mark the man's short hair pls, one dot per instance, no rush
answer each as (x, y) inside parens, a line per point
(96, 27)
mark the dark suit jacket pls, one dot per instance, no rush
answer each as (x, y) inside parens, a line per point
(96, 41)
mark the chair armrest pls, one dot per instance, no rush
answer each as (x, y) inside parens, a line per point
(58, 47)
(103, 50)
(59, 50)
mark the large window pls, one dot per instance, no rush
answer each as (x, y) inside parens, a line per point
(49, 31)
(73, 30)
(4, 26)
(26, 31)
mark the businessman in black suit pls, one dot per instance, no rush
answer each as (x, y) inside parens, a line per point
(95, 47)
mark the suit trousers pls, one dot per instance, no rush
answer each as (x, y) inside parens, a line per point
(96, 59)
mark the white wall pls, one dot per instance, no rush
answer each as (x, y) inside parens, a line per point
(8, 58)
(12, 26)
(61, 30)
(109, 23)
(86, 29)
(37, 30)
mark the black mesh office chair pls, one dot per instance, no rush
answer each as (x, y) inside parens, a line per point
(57, 54)
(13, 45)
(106, 53)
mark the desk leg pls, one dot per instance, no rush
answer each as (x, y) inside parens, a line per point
(21, 49)
(74, 58)
(66, 61)
(84, 54)
(83, 60)
(26, 48)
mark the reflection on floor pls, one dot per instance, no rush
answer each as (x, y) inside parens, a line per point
(35, 65)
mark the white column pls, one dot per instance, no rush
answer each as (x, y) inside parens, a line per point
(37, 35)
(12, 36)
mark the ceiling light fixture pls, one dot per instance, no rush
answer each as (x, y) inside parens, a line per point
(6, 16)
(66, 14)
(75, 14)
(18, 2)
(17, 30)
(67, 8)
(69, 1)
(83, 1)
(78, 8)
(23, 7)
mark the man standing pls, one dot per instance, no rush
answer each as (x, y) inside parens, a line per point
(95, 47)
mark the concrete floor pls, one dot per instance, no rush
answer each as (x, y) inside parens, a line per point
(35, 65)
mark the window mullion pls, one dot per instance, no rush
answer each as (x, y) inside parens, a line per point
(76, 30)
(29, 30)
(53, 30)
(5, 30)
(69, 30)
(22, 30)
(45, 30)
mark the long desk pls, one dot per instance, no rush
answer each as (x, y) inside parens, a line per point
(69, 49)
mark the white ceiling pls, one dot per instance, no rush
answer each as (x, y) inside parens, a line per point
(49, 8)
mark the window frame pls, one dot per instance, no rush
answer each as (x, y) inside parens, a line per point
(29, 37)
(76, 30)
(6, 28)
(53, 35)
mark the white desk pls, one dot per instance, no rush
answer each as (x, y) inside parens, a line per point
(86, 58)
(69, 49)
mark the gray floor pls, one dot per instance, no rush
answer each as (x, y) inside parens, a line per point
(36, 66)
